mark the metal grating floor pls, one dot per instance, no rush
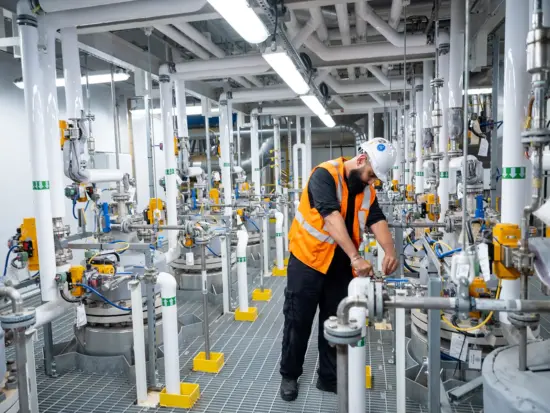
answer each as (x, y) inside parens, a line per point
(250, 379)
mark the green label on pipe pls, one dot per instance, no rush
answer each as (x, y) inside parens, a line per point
(420, 174)
(168, 302)
(278, 234)
(256, 169)
(170, 171)
(226, 165)
(40, 185)
(241, 259)
(361, 343)
(444, 174)
(407, 170)
(396, 167)
(515, 172)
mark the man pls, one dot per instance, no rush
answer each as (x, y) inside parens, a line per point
(337, 205)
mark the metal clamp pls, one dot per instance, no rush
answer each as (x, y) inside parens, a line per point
(523, 261)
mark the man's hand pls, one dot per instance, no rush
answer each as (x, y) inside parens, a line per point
(362, 267)
(389, 264)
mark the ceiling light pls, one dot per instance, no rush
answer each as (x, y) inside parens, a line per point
(481, 91)
(317, 107)
(92, 79)
(281, 62)
(242, 18)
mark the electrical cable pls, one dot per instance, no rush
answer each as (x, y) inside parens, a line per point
(93, 290)
(8, 259)
(210, 249)
(408, 267)
(252, 222)
(69, 300)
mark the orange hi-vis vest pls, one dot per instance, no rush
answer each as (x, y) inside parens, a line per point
(308, 239)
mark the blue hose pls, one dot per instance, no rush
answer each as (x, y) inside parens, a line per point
(408, 267)
(93, 290)
(446, 254)
(210, 249)
(8, 259)
(396, 280)
(253, 223)
(74, 214)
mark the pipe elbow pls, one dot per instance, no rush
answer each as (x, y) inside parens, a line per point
(167, 281)
(346, 305)
(15, 297)
(164, 69)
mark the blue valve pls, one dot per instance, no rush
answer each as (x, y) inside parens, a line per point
(107, 218)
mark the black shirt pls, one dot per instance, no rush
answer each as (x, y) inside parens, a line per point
(322, 196)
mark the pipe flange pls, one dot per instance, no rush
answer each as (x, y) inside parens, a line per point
(125, 225)
(540, 136)
(63, 256)
(524, 320)
(379, 301)
(120, 197)
(371, 306)
(12, 321)
(436, 235)
(454, 154)
(337, 333)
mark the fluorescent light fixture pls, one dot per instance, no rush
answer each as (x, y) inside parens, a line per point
(190, 110)
(92, 79)
(316, 107)
(481, 91)
(242, 18)
(281, 62)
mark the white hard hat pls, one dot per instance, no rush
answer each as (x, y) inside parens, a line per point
(382, 156)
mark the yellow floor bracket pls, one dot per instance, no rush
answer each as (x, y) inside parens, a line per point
(259, 295)
(189, 394)
(278, 273)
(250, 315)
(285, 260)
(213, 365)
(368, 373)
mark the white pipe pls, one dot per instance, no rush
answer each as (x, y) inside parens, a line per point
(277, 153)
(285, 221)
(183, 129)
(137, 9)
(279, 220)
(456, 64)
(307, 138)
(74, 102)
(261, 94)
(400, 358)
(377, 98)
(398, 172)
(50, 6)
(255, 155)
(223, 73)
(344, 27)
(392, 35)
(365, 85)
(168, 289)
(357, 357)
(379, 74)
(202, 40)
(443, 190)
(139, 341)
(406, 153)
(419, 178)
(51, 121)
(350, 108)
(317, 15)
(102, 175)
(183, 40)
(304, 33)
(169, 154)
(30, 338)
(428, 74)
(242, 237)
(34, 98)
(265, 223)
(370, 121)
(225, 274)
(360, 25)
(227, 63)
(225, 160)
(516, 96)
(395, 14)
(50, 311)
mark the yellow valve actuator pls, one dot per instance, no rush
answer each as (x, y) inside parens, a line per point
(505, 235)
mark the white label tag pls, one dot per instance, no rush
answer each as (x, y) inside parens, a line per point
(483, 255)
(462, 270)
(474, 359)
(189, 258)
(483, 147)
(80, 316)
(459, 347)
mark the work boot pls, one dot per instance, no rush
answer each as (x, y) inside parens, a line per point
(289, 389)
(328, 387)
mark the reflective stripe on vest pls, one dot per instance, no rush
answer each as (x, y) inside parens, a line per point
(315, 233)
(365, 206)
(339, 185)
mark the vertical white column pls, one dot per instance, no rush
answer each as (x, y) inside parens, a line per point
(370, 120)
(285, 220)
(516, 89)
(427, 76)
(181, 112)
(74, 101)
(456, 64)
(139, 340)
(166, 107)
(255, 155)
(242, 276)
(307, 138)
(400, 358)
(398, 172)
(419, 174)
(277, 154)
(51, 122)
(443, 190)
(405, 124)
(295, 166)
(34, 106)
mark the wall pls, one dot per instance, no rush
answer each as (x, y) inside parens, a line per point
(16, 182)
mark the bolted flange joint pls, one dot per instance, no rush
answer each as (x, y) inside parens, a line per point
(337, 333)
(524, 320)
(24, 319)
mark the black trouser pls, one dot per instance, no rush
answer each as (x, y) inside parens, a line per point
(306, 289)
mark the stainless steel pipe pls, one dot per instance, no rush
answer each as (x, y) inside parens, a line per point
(342, 378)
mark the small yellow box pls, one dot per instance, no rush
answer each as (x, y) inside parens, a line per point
(272, 220)
(278, 273)
(189, 394)
(259, 295)
(368, 381)
(250, 315)
(213, 365)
